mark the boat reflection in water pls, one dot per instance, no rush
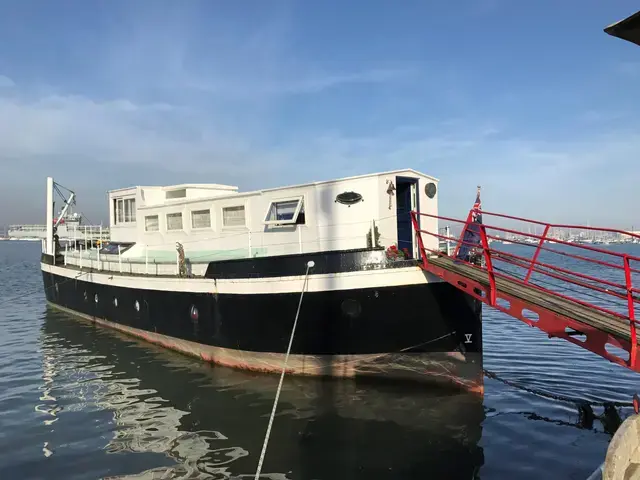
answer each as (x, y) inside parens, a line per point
(209, 422)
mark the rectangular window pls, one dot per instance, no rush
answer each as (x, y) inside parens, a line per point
(120, 211)
(180, 193)
(201, 219)
(174, 221)
(233, 216)
(285, 212)
(151, 223)
(125, 210)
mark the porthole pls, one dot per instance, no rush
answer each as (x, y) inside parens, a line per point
(137, 306)
(194, 313)
(86, 298)
(351, 308)
(430, 189)
(115, 301)
(95, 298)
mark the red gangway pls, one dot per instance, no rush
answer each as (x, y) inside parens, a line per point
(589, 300)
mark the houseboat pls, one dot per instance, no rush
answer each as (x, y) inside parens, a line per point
(217, 273)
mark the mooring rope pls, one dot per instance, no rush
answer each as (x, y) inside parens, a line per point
(552, 396)
(310, 265)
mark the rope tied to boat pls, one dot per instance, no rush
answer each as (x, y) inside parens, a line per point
(310, 265)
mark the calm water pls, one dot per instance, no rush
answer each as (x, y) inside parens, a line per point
(79, 402)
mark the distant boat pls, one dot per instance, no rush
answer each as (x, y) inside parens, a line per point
(69, 228)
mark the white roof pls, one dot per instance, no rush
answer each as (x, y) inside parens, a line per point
(215, 186)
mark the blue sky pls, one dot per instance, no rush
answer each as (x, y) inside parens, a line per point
(532, 100)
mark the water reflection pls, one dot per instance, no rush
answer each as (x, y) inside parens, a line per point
(173, 417)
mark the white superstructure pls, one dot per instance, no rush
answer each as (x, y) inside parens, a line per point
(217, 221)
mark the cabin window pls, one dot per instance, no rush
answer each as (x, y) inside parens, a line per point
(151, 223)
(180, 193)
(286, 212)
(174, 221)
(201, 219)
(125, 210)
(233, 216)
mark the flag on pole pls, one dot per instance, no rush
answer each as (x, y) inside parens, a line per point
(471, 238)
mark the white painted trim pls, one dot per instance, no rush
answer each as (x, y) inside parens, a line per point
(392, 277)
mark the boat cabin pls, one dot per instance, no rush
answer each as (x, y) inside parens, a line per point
(214, 221)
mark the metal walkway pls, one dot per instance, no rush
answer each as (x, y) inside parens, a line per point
(553, 298)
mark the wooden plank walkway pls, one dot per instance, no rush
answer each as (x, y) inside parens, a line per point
(615, 326)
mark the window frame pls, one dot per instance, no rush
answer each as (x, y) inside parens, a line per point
(293, 220)
(208, 210)
(166, 219)
(232, 227)
(123, 211)
(145, 223)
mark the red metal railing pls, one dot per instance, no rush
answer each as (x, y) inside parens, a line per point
(619, 295)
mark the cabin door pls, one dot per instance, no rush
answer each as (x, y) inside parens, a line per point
(407, 200)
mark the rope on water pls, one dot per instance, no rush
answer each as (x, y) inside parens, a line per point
(561, 398)
(310, 265)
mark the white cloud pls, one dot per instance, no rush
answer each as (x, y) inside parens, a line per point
(305, 83)
(73, 130)
(519, 174)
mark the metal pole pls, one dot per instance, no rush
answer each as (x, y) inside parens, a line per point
(373, 233)
(49, 239)
(80, 257)
(447, 232)
(66, 251)
(98, 246)
(119, 259)
(250, 254)
(146, 259)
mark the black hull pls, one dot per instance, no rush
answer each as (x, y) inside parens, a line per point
(429, 331)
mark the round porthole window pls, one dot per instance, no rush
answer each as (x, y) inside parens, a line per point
(430, 189)
(351, 308)
(95, 298)
(137, 306)
(115, 302)
(194, 312)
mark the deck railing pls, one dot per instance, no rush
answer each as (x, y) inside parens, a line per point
(200, 251)
(599, 278)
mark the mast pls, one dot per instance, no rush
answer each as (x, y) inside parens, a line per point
(49, 240)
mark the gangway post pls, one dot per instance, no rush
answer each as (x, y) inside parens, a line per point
(489, 265)
(632, 311)
(535, 255)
